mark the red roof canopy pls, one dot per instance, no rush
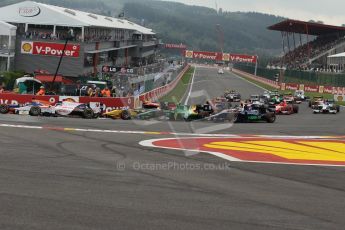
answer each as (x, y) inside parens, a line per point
(311, 28)
(49, 78)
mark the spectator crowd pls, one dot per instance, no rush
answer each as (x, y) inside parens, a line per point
(299, 57)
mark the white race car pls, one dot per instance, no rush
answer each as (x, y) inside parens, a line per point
(65, 108)
(326, 107)
(220, 71)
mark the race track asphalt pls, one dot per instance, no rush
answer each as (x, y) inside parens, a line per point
(52, 178)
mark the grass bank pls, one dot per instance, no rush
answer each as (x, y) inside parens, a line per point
(270, 88)
(180, 89)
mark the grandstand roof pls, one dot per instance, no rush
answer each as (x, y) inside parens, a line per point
(43, 14)
(7, 29)
(301, 27)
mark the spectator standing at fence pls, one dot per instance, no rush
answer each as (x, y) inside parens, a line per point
(90, 92)
(98, 92)
(106, 92)
(41, 92)
(114, 91)
(120, 92)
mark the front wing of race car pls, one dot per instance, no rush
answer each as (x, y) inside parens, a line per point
(325, 111)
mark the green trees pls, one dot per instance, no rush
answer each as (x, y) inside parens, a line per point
(9, 78)
(192, 25)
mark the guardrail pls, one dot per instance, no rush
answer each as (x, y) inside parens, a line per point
(310, 88)
(266, 81)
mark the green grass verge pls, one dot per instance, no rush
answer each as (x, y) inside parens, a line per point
(311, 95)
(180, 89)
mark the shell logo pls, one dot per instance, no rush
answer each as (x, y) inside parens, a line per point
(340, 98)
(322, 151)
(27, 47)
(189, 54)
(226, 57)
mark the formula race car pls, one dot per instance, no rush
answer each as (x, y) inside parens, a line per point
(229, 115)
(326, 107)
(285, 108)
(6, 108)
(65, 108)
(189, 113)
(232, 96)
(289, 98)
(299, 96)
(254, 98)
(128, 114)
(77, 109)
(255, 113)
(220, 71)
(124, 114)
(315, 101)
(150, 105)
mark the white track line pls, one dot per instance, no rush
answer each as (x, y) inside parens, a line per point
(190, 135)
(190, 88)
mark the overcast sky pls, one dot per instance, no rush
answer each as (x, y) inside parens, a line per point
(329, 11)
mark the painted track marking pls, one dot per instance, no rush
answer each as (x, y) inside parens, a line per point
(318, 151)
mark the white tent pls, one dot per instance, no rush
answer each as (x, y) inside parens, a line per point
(336, 62)
(29, 12)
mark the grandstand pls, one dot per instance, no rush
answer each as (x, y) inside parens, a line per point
(32, 35)
(308, 45)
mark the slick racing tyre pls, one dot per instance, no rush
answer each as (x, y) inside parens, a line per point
(270, 118)
(4, 109)
(88, 113)
(35, 111)
(240, 118)
(338, 108)
(125, 115)
(295, 108)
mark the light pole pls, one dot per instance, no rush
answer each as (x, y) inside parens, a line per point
(70, 36)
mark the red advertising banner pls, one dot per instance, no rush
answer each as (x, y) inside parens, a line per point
(291, 86)
(175, 46)
(311, 88)
(220, 56)
(204, 55)
(49, 49)
(243, 58)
